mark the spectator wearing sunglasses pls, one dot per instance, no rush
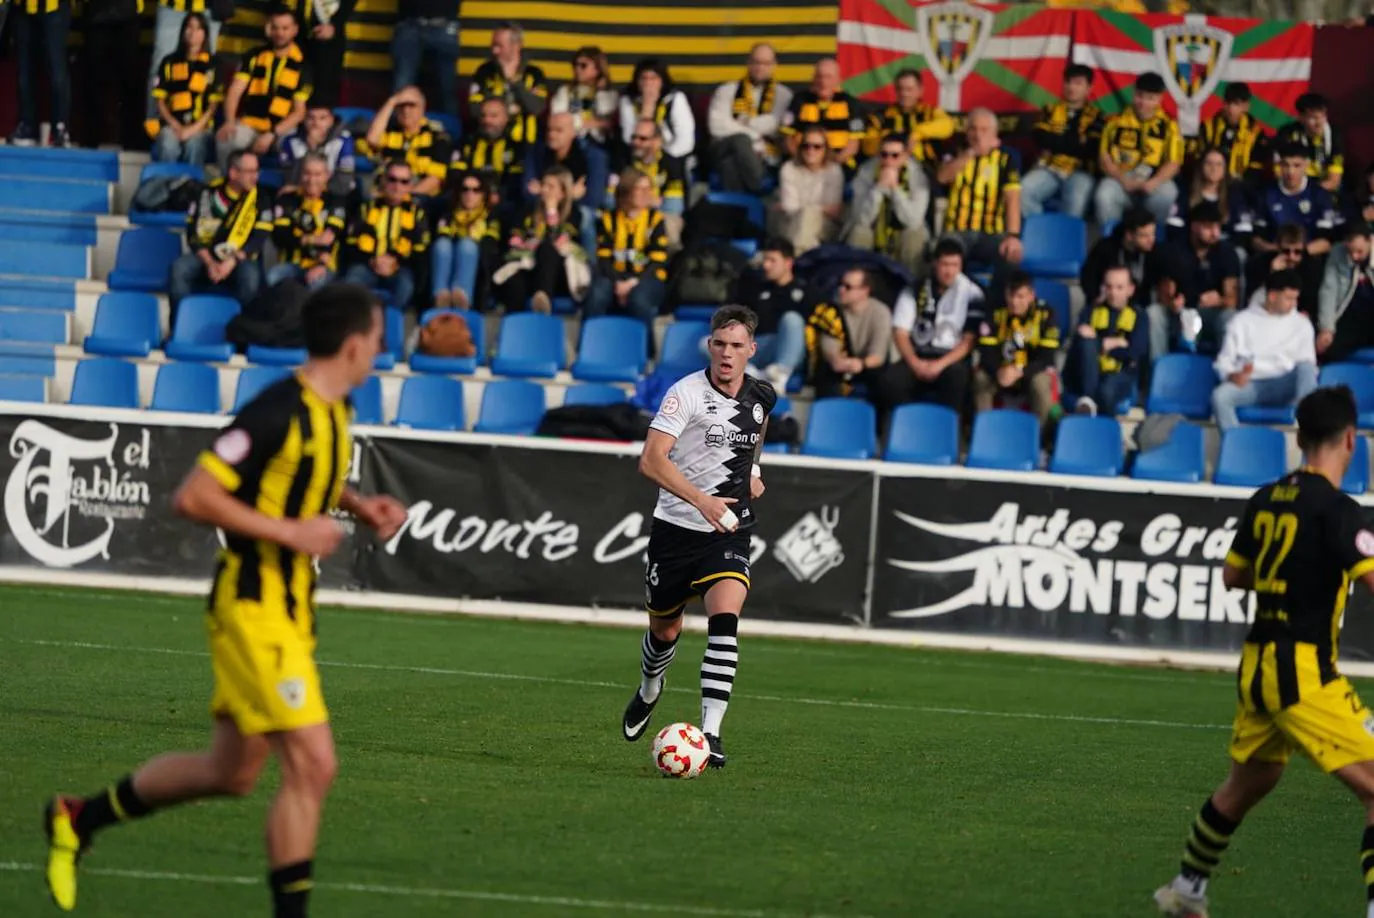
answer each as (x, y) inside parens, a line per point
(387, 236)
(847, 345)
(891, 196)
(810, 194)
(1291, 255)
(592, 102)
(401, 130)
(464, 242)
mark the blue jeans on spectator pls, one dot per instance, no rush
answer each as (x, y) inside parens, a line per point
(1288, 389)
(411, 40)
(1113, 201)
(1083, 377)
(188, 276)
(46, 34)
(598, 173)
(643, 303)
(166, 37)
(400, 285)
(283, 271)
(586, 235)
(196, 150)
(454, 264)
(1040, 185)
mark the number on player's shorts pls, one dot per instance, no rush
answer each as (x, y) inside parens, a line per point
(1278, 533)
(652, 574)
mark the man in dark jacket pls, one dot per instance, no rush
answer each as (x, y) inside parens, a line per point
(1132, 245)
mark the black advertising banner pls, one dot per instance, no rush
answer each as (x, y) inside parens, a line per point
(569, 527)
(1047, 561)
(97, 496)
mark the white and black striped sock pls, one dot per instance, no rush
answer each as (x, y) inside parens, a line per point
(655, 656)
(718, 670)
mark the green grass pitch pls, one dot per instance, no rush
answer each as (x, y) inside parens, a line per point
(483, 774)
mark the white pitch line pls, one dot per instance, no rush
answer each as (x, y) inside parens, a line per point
(426, 893)
(587, 683)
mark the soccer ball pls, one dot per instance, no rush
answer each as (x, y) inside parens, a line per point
(681, 751)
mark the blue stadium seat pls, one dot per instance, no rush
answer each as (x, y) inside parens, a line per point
(167, 218)
(23, 389)
(276, 356)
(1250, 457)
(927, 434)
(1004, 439)
(782, 407)
(594, 394)
(681, 352)
(612, 349)
(35, 258)
(511, 406)
(39, 326)
(428, 363)
(186, 387)
(349, 116)
(270, 179)
(394, 321)
(753, 207)
(105, 382)
(841, 428)
(529, 344)
(1356, 480)
(431, 403)
(1182, 384)
(199, 332)
(1088, 446)
(253, 380)
(367, 402)
(1179, 459)
(144, 257)
(126, 325)
(1054, 245)
(1265, 414)
(1363, 355)
(695, 312)
(1056, 296)
(1360, 378)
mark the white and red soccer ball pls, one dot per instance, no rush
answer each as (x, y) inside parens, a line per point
(681, 751)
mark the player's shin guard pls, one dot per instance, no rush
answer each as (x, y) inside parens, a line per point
(1207, 842)
(656, 655)
(291, 887)
(718, 670)
(117, 803)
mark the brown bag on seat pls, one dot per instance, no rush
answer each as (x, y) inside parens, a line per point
(447, 335)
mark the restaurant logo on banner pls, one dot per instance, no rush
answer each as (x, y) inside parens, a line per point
(1007, 57)
(1198, 56)
(65, 493)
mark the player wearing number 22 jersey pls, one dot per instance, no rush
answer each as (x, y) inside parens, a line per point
(702, 451)
(270, 482)
(1300, 546)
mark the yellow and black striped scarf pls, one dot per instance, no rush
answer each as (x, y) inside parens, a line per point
(887, 232)
(467, 224)
(274, 82)
(224, 221)
(825, 321)
(744, 99)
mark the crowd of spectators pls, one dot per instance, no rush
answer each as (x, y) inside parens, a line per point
(584, 191)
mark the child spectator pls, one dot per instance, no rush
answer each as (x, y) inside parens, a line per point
(1017, 347)
(1109, 348)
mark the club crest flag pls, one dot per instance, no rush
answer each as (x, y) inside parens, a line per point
(1007, 57)
(1198, 56)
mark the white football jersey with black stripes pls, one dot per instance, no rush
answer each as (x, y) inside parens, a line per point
(716, 439)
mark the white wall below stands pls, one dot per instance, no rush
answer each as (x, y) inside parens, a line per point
(635, 618)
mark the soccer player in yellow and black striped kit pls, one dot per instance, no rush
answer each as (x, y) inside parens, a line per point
(1300, 547)
(270, 481)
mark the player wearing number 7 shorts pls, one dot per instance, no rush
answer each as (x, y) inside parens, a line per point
(702, 451)
(1300, 546)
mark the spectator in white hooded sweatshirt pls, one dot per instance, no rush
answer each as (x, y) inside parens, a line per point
(1269, 355)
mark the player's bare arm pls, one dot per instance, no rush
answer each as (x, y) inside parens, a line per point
(203, 499)
(655, 465)
(381, 513)
(1237, 577)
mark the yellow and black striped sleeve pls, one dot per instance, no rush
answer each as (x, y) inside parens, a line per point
(1173, 145)
(239, 455)
(1243, 547)
(656, 247)
(605, 241)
